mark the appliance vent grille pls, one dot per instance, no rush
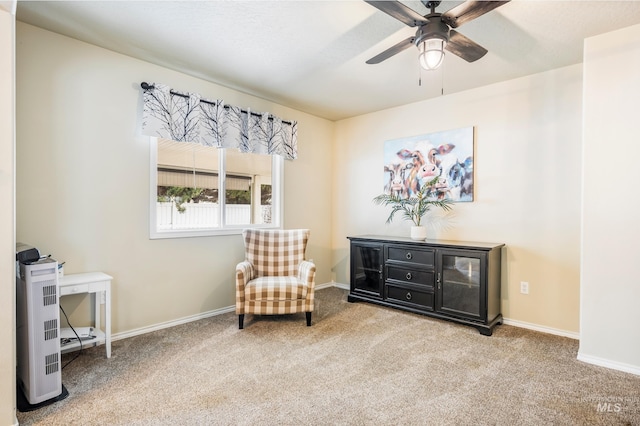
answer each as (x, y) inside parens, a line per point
(51, 363)
(51, 329)
(49, 294)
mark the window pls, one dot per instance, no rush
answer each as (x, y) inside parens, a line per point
(198, 190)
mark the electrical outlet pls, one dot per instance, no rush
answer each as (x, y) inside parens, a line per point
(524, 287)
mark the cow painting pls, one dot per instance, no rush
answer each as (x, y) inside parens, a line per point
(397, 179)
(411, 163)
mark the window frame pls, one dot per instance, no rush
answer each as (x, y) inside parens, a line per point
(277, 200)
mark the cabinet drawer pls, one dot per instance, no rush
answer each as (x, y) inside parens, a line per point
(410, 296)
(74, 289)
(425, 258)
(411, 276)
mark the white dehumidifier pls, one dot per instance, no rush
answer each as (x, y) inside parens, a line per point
(38, 333)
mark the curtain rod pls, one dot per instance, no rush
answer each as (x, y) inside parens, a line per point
(147, 86)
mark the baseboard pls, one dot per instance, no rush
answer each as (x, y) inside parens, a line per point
(203, 315)
(627, 368)
(185, 320)
(607, 363)
(172, 323)
(507, 321)
(542, 329)
(339, 285)
(323, 286)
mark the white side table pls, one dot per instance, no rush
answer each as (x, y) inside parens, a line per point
(99, 284)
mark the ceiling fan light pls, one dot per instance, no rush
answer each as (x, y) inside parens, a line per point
(432, 53)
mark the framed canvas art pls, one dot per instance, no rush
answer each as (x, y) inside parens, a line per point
(412, 162)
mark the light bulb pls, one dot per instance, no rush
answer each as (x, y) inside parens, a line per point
(432, 53)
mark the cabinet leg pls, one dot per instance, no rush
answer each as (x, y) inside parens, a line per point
(241, 321)
(308, 318)
(485, 331)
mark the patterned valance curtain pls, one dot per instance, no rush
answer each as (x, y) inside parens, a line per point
(188, 118)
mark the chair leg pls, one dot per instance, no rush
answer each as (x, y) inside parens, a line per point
(241, 321)
(308, 319)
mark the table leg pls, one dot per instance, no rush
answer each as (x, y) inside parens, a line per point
(107, 319)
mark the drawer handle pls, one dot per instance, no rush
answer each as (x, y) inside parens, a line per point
(409, 256)
(408, 295)
(409, 276)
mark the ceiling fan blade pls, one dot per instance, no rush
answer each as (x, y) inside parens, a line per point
(397, 48)
(471, 9)
(464, 47)
(399, 11)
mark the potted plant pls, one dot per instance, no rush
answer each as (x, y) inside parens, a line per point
(414, 208)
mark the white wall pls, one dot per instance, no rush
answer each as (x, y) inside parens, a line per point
(7, 227)
(527, 183)
(610, 286)
(83, 182)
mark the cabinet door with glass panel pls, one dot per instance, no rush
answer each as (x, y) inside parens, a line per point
(461, 283)
(366, 269)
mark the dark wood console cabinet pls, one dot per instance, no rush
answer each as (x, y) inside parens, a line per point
(453, 280)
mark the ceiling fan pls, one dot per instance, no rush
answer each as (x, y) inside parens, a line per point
(436, 30)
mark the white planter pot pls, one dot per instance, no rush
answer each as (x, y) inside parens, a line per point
(418, 233)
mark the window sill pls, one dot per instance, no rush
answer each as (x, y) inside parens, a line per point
(190, 233)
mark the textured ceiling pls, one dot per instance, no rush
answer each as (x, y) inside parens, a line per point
(310, 55)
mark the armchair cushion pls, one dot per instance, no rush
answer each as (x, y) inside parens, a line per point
(276, 288)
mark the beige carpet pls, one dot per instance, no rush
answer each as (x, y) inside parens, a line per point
(357, 364)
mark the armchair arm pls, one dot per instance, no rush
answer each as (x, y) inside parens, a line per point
(244, 273)
(307, 273)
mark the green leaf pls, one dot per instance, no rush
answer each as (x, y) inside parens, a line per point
(412, 208)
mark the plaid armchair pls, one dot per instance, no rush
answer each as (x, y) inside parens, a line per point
(274, 278)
